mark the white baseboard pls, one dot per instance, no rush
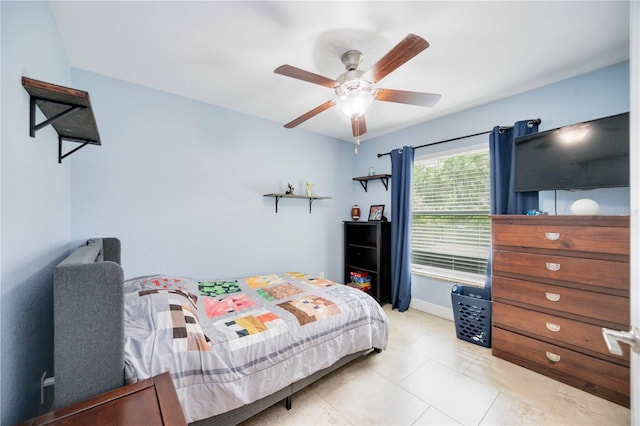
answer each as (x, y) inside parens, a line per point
(432, 308)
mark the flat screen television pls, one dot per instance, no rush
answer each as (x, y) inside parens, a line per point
(593, 154)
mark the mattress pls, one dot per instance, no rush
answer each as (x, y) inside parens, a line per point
(228, 343)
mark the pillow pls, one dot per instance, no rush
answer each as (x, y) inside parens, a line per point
(161, 282)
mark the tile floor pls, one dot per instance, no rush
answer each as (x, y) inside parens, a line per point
(429, 377)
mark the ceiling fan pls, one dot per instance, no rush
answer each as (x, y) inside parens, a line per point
(355, 89)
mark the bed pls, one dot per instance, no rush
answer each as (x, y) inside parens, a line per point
(233, 347)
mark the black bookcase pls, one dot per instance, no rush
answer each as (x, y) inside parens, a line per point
(367, 248)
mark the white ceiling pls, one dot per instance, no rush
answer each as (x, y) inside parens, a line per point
(224, 53)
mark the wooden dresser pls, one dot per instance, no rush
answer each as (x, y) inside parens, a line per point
(557, 280)
(151, 401)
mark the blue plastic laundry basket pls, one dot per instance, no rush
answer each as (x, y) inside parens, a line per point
(472, 314)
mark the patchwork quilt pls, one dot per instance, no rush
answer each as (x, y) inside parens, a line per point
(228, 343)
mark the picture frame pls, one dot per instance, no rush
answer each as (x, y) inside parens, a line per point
(376, 212)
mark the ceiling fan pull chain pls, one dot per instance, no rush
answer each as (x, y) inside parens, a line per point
(355, 151)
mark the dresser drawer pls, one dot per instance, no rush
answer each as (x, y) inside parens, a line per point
(596, 239)
(599, 273)
(600, 307)
(603, 378)
(558, 330)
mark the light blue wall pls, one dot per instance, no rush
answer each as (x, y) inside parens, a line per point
(35, 208)
(593, 95)
(182, 182)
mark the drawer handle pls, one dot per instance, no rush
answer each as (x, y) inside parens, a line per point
(552, 236)
(553, 327)
(552, 266)
(553, 357)
(554, 297)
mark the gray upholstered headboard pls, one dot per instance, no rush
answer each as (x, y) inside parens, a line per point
(88, 303)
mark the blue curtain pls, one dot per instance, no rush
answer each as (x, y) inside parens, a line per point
(504, 200)
(401, 170)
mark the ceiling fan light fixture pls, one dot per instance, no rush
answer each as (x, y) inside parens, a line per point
(355, 102)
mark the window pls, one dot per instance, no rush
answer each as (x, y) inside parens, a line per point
(450, 235)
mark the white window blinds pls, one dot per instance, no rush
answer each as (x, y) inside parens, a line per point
(451, 228)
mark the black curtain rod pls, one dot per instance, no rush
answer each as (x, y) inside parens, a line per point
(530, 123)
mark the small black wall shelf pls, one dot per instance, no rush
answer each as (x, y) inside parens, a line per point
(67, 110)
(311, 198)
(384, 178)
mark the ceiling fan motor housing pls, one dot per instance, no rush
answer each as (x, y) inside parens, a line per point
(351, 59)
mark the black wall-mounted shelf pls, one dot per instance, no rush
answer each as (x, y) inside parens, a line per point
(384, 178)
(311, 198)
(67, 110)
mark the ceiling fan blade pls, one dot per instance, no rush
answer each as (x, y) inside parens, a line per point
(358, 125)
(409, 47)
(405, 97)
(300, 74)
(309, 114)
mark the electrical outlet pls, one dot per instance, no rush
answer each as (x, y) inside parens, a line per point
(46, 382)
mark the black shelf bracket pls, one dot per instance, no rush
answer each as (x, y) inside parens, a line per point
(385, 182)
(61, 155)
(33, 127)
(277, 197)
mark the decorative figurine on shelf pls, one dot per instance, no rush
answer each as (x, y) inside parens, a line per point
(355, 212)
(290, 190)
(309, 192)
